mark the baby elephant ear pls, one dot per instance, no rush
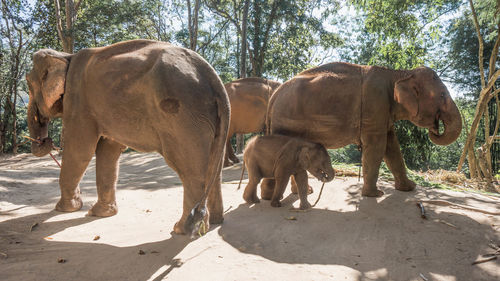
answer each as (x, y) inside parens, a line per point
(406, 95)
(303, 157)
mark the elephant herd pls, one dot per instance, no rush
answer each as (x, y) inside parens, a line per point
(156, 97)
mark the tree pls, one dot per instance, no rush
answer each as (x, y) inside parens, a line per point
(193, 23)
(480, 163)
(65, 29)
(14, 57)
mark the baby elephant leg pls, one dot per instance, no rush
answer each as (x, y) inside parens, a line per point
(302, 185)
(254, 177)
(295, 189)
(250, 193)
(281, 183)
(267, 188)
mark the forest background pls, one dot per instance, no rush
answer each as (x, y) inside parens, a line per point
(277, 39)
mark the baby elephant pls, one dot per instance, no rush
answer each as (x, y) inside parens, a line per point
(279, 157)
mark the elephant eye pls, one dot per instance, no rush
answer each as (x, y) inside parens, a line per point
(443, 94)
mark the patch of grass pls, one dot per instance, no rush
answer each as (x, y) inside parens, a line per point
(439, 179)
(346, 170)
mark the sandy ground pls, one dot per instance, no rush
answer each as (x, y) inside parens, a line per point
(345, 237)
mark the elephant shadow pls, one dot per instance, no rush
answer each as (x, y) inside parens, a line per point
(382, 240)
(30, 252)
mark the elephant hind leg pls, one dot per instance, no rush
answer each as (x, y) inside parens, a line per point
(267, 188)
(250, 193)
(295, 189)
(190, 161)
(107, 155)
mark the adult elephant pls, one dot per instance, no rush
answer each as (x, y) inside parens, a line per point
(148, 95)
(339, 103)
(249, 98)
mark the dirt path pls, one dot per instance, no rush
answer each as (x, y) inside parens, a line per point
(345, 237)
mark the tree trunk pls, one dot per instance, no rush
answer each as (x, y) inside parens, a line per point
(480, 165)
(240, 139)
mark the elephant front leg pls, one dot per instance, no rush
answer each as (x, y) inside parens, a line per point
(302, 185)
(78, 151)
(107, 155)
(395, 162)
(372, 153)
(295, 189)
(281, 183)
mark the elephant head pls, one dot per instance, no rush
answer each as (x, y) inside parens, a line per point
(314, 158)
(428, 102)
(46, 82)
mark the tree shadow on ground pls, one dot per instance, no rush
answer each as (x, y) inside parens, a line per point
(31, 255)
(386, 240)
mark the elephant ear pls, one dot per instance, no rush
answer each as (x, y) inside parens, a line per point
(405, 93)
(52, 71)
(303, 157)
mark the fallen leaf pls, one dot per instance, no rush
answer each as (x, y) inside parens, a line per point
(97, 237)
(61, 260)
(292, 218)
(141, 252)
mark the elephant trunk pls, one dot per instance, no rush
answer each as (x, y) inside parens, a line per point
(38, 127)
(452, 121)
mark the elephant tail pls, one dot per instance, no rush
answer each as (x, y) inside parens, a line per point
(242, 173)
(216, 156)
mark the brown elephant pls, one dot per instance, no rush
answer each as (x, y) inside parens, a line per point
(279, 157)
(248, 98)
(148, 95)
(340, 103)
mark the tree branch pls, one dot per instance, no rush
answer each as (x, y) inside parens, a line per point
(481, 43)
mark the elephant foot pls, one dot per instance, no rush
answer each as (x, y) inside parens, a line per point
(275, 203)
(103, 210)
(371, 192)
(179, 227)
(70, 205)
(405, 185)
(197, 229)
(250, 198)
(305, 205)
